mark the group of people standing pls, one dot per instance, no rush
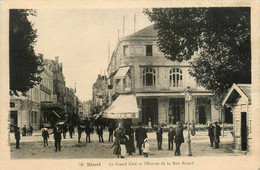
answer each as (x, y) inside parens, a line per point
(175, 135)
(214, 133)
(27, 131)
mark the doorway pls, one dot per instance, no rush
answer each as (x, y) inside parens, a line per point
(177, 110)
(243, 131)
(150, 111)
(13, 120)
(202, 115)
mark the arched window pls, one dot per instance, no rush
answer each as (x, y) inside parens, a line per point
(175, 77)
(149, 77)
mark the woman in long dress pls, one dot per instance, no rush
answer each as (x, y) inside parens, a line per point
(129, 143)
(119, 136)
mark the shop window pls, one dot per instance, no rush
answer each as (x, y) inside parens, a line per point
(149, 77)
(125, 50)
(176, 77)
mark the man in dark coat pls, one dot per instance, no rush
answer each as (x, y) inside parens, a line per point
(88, 131)
(111, 131)
(24, 130)
(159, 137)
(140, 135)
(179, 139)
(217, 133)
(170, 138)
(17, 137)
(64, 130)
(71, 129)
(100, 133)
(211, 134)
(79, 133)
(30, 130)
(57, 137)
(45, 135)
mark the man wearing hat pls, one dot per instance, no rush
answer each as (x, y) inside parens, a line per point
(179, 139)
(217, 133)
(140, 135)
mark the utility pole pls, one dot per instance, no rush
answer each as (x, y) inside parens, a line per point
(123, 26)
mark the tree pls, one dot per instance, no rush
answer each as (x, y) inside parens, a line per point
(216, 41)
(25, 65)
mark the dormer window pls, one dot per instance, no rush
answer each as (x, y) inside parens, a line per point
(125, 50)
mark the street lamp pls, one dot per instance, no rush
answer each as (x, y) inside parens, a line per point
(188, 97)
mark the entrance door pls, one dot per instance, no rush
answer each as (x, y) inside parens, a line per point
(13, 120)
(202, 115)
(150, 111)
(243, 132)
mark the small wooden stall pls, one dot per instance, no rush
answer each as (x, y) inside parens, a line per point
(239, 100)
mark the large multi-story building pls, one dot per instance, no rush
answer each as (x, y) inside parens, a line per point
(164, 90)
(31, 110)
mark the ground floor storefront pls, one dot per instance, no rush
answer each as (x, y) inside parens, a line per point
(154, 110)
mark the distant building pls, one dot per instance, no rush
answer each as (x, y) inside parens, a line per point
(87, 109)
(239, 100)
(159, 85)
(99, 94)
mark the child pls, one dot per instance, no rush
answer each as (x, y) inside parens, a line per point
(159, 133)
(146, 148)
(45, 135)
(170, 138)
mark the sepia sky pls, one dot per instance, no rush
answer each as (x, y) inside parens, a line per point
(80, 38)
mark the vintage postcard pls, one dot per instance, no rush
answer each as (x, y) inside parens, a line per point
(129, 85)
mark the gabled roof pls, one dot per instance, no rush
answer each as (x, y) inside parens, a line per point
(238, 90)
(146, 32)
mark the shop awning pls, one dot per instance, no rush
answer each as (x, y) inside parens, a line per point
(124, 107)
(121, 73)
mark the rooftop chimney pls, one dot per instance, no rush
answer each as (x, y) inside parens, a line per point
(57, 59)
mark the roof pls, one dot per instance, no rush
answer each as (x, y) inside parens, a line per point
(146, 32)
(238, 90)
(246, 89)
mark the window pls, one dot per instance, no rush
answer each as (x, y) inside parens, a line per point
(175, 77)
(149, 77)
(125, 50)
(149, 50)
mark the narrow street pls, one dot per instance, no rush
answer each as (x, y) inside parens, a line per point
(32, 147)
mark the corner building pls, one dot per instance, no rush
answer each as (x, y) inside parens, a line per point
(137, 67)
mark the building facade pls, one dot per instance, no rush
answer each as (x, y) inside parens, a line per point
(160, 85)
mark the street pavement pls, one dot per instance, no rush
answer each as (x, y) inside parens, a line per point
(32, 147)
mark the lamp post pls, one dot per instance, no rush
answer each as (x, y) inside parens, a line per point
(188, 97)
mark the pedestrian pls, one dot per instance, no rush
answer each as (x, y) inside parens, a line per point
(64, 130)
(79, 133)
(99, 131)
(111, 131)
(211, 134)
(71, 129)
(159, 133)
(179, 139)
(45, 135)
(88, 131)
(30, 130)
(140, 135)
(119, 137)
(145, 147)
(57, 137)
(129, 143)
(217, 133)
(17, 138)
(24, 130)
(170, 138)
